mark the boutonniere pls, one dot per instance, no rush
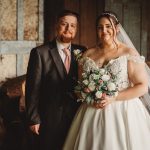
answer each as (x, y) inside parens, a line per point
(77, 54)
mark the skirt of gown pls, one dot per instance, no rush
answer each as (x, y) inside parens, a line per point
(122, 125)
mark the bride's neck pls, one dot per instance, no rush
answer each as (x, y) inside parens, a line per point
(106, 47)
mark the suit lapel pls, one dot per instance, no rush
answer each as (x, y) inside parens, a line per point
(57, 60)
(73, 60)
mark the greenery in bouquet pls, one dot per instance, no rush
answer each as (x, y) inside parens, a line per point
(95, 82)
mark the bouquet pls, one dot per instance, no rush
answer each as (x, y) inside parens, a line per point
(95, 82)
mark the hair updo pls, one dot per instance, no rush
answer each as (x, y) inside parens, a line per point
(109, 15)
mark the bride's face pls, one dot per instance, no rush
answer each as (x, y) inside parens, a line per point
(105, 30)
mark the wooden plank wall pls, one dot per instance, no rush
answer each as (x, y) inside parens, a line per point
(88, 11)
(134, 16)
(21, 29)
(8, 20)
(51, 9)
(147, 20)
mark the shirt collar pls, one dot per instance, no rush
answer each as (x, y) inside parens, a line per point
(61, 46)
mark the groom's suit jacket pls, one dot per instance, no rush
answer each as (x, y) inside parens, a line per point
(50, 99)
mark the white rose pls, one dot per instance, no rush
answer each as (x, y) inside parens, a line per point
(95, 68)
(98, 94)
(91, 86)
(84, 75)
(111, 86)
(77, 51)
(102, 71)
(95, 76)
(85, 82)
(91, 77)
(105, 77)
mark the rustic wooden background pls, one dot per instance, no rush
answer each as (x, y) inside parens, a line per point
(21, 29)
(25, 24)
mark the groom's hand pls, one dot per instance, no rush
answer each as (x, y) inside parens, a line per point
(35, 128)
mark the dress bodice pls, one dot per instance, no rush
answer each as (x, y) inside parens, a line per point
(118, 67)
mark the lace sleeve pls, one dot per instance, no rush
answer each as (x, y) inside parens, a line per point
(137, 59)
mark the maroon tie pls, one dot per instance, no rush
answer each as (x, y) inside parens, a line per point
(67, 59)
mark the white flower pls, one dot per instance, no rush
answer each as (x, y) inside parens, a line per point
(94, 68)
(111, 86)
(93, 77)
(98, 94)
(83, 95)
(85, 82)
(76, 52)
(105, 77)
(102, 71)
(96, 76)
(91, 86)
(84, 75)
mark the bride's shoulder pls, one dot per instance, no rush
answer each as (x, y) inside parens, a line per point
(125, 50)
(131, 54)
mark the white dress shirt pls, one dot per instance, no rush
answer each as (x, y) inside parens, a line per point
(60, 48)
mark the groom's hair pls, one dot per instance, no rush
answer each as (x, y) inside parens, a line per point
(67, 13)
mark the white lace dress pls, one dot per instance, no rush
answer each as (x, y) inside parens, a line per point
(122, 125)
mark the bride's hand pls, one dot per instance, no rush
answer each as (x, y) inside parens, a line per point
(104, 102)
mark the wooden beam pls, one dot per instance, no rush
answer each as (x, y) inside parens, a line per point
(41, 21)
(16, 47)
(20, 17)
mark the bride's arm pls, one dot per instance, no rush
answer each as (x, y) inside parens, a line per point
(138, 76)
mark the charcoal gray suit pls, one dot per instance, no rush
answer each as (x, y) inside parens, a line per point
(50, 99)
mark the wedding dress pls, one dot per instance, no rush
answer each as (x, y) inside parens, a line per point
(122, 125)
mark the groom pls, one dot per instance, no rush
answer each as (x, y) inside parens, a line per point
(51, 77)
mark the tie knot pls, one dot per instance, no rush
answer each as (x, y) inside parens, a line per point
(66, 51)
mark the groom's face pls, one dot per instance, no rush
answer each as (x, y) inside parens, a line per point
(66, 28)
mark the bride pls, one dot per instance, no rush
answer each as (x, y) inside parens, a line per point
(117, 122)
